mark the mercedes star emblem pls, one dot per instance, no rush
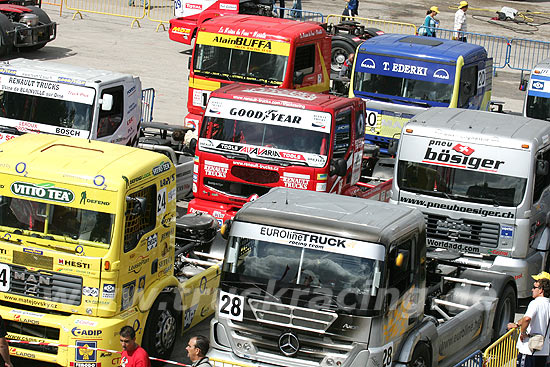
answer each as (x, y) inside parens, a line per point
(289, 344)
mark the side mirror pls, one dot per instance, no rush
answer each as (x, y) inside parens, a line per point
(106, 102)
(542, 167)
(392, 147)
(226, 228)
(523, 83)
(298, 77)
(338, 167)
(135, 206)
(192, 145)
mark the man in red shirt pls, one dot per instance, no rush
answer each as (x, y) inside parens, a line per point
(132, 354)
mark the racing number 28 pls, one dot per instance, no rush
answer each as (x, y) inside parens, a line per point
(387, 356)
(231, 306)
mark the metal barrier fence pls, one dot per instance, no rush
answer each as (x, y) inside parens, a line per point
(147, 104)
(161, 11)
(384, 25)
(300, 15)
(55, 3)
(503, 352)
(473, 360)
(497, 47)
(525, 54)
(222, 363)
(133, 9)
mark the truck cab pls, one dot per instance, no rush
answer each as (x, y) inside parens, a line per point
(89, 246)
(254, 138)
(256, 50)
(315, 279)
(482, 184)
(399, 76)
(537, 98)
(55, 98)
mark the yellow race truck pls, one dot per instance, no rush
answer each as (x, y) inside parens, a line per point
(90, 242)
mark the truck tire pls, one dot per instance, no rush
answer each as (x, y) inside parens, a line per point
(505, 312)
(6, 41)
(421, 356)
(161, 327)
(340, 51)
(43, 18)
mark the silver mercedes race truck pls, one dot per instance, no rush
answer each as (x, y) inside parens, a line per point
(481, 180)
(313, 279)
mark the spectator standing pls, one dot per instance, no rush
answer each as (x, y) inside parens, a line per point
(296, 11)
(352, 8)
(197, 347)
(430, 23)
(281, 6)
(460, 22)
(132, 354)
(4, 350)
(535, 321)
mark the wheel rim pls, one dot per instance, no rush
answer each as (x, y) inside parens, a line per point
(419, 362)
(338, 58)
(166, 332)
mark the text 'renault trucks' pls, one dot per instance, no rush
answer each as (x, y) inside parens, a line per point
(254, 138)
(399, 76)
(311, 279)
(61, 99)
(90, 242)
(537, 98)
(482, 184)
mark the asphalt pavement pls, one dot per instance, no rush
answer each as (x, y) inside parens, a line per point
(106, 42)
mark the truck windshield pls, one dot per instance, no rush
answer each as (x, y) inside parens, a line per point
(421, 90)
(43, 110)
(461, 184)
(50, 221)
(239, 65)
(538, 107)
(285, 142)
(351, 278)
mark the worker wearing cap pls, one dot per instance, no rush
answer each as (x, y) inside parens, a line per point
(460, 21)
(430, 23)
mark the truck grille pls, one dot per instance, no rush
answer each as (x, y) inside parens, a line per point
(33, 330)
(235, 188)
(46, 285)
(295, 317)
(464, 231)
(255, 175)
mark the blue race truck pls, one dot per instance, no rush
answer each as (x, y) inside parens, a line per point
(399, 76)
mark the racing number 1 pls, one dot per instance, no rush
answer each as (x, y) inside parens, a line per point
(4, 278)
(231, 306)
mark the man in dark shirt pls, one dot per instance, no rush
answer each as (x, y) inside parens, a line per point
(4, 350)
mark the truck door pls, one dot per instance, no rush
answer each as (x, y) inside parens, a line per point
(405, 282)
(467, 92)
(309, 66)
(341, 150)
(539, 237)
(140, 237)
(114, 121)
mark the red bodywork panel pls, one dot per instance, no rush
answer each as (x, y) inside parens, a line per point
(14, 8)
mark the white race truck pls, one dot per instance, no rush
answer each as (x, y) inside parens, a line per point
(314, 279)
(537, 98)
(482, 183)
(56, 98)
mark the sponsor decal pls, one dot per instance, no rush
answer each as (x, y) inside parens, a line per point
(162, 167)
(498, 252)
(32, 251)
(224, 6)
(181, 30)
(165, 261)
(260, 116)
(139, 178)
(538, 85)
(141, 283)
(24, 320)
(27, 313)
(506, 231)
(76, 331)
(128, 291)
(292, 93)
(131, 91)
(20, 353)
(441, 74)
(243, 40)
(66, 80)
(295, 180)
(44, 191)
(164, 236)
(152, 241)
(440, 152)
(90, 291)
(215, 169)
(8, 71)
(368, 63)
(189, 315)
(108, 291)
(85, 355)
(85, 322)
(73, 263)
(166, 220)
(136, 268)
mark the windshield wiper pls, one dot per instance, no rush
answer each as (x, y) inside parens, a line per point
(10, 130)
(418, 103)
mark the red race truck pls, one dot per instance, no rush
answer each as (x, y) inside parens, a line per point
(232, 47)
(254, 138)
